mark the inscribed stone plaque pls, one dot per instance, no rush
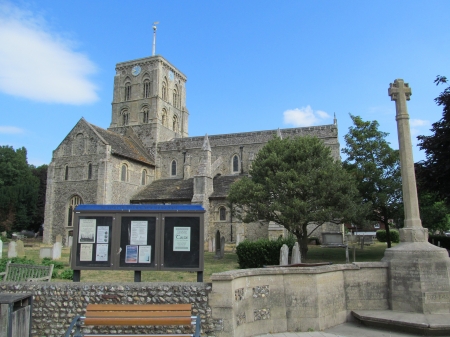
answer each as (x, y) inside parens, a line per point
(20, 248)
(12, 249)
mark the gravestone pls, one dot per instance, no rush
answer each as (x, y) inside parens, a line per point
(210, 245)
(20, 248)
(1, 248)
(296, 257)
(12, 249)
(70, 241)
(222, 247)
(56, 252)
(46, 252)
(331, 239)
(58, 238)
(284, 255)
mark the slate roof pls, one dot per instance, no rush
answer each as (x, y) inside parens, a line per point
(221, 185)
(166, 190)
(125, 146)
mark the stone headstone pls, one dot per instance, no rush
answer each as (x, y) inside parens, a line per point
(296, 257)
(222, 247)
(332, 238)
(12, 249)
(56, 253)
(284, 255)
(210, 245)
(58, 238)
(46, 252)
(20, 248)
(1, 248)
(70, 243)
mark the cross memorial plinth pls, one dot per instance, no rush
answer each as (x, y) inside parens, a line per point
(418, 271)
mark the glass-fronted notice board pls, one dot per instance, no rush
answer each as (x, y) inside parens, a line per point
(138, 237)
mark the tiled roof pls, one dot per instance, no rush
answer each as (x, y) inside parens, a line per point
(166, 189)
(221, 185)
(125, 146)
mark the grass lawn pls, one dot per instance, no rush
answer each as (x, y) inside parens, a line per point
(374, 252)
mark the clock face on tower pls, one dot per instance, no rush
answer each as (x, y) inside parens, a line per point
(136, 70)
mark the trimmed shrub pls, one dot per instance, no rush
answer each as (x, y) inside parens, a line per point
(256, 254)
(46, 261)
(443, 240)
(381, 235)
(66, 274)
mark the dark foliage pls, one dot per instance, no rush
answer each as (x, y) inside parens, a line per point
(382, 236)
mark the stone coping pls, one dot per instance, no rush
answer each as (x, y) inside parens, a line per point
(235, 274)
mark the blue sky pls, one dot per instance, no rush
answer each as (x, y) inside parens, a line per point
(251, 65)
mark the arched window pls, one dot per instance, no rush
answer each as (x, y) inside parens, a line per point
(66, 172)
(175, 124)
(235, 163)
(175, 97)
(73, 202)
(125, 117)
(89, 171)
(147, 88)
(173, 168)
(124, 173)
(127, 91)
(222, 213)
(164, 89)
(164, 117)
(144, 177)
(145, 115)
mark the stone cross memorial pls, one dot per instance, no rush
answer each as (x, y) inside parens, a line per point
(419, 271)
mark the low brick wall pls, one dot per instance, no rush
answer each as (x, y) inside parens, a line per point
(55, 304)
(257, 301)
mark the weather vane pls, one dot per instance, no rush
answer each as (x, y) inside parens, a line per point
(154, 37)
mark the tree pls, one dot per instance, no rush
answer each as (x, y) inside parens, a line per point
(295, 182)
(434, 172)
(376, 168)
(39, 172)
(434, 212)
(18, 190)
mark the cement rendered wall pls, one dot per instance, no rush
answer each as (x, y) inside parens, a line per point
(257, 301)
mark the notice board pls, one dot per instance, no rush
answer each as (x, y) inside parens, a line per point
(138, 237)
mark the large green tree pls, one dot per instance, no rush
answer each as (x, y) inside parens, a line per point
(376, 168)
(295, 182)
(39, 172)
(18, 190)
(433, 174)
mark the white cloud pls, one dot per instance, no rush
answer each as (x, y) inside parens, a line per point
(417, 126)
(304, 116)
(38, 64)
(10, 130)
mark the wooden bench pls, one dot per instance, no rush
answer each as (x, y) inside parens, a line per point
(135, 315)
(15, 272)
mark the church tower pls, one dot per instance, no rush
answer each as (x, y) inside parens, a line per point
(150, 96)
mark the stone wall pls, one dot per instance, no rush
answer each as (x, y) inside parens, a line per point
(55, 304)
(257, 301)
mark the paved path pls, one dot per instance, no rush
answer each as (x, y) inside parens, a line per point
(343, 330)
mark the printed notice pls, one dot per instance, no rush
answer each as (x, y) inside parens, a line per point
(102, 234)
(101, 253)
(131, 254)
(181, 239)
(138, 233)
(86, 252)
(87, 231)
(145, 254)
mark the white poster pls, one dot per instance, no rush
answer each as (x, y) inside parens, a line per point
(181, 239)
(86, 252)
(145, 254)
(101, 253)
(138, 233)
(102, 234)
(87, 231)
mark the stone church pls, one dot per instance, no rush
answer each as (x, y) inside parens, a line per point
(146, 155)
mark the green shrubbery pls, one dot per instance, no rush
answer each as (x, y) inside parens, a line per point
(256, 254)
(381, 235)
(444, 241)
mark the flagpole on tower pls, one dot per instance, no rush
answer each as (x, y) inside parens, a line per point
(154, 38)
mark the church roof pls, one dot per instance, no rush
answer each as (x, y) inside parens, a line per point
(221, 185)
(125, 146)
(166, 190)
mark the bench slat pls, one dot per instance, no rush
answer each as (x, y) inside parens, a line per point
(113, 321)
(139, 307)
(91, 314)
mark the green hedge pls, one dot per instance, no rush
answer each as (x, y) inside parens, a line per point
(263, 252)
(381, 235)
(443, 240)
